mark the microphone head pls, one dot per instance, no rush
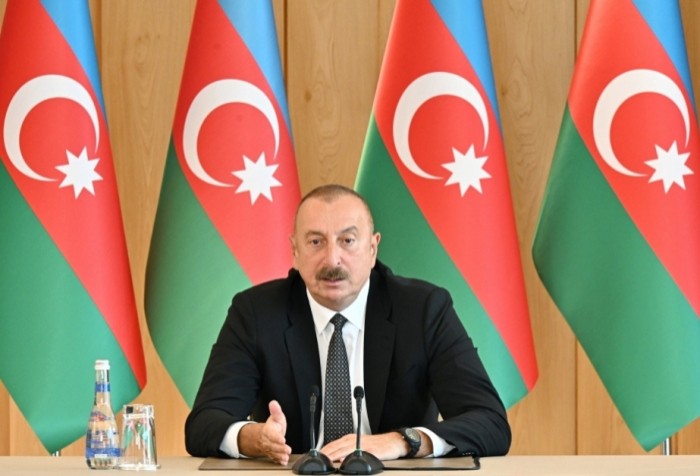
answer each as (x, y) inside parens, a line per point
(314, 391)
(359, 392)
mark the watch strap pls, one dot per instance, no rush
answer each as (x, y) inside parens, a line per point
(412, 437)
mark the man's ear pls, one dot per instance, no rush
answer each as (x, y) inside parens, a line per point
(293, 245)
(374, 244)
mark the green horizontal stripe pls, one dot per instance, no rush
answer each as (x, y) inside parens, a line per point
(190, 280)
(411, 248)
(51, 332)
(634, 323)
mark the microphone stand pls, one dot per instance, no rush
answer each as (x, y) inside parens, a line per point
(360, 462)
(313, 462)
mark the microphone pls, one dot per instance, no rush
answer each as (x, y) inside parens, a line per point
(313, 462)
(360, 462)
(359, 394)
(314, 393)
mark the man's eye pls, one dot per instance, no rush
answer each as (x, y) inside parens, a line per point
(349, 241)
(315, 242)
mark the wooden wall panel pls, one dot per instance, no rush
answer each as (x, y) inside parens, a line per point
(532, 49)
(384, 16)
(96, 18)
(143, 46)
(23, 441)
(687, 441)
(581, 12)
(332, 70)
(331, 54)
(280, 11)
(5, 435)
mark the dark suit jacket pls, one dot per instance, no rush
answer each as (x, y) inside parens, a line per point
(418, 360)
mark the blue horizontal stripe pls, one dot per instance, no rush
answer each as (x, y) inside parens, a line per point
(255, 23)
(664, 19)
(465, 20)
(72, 17)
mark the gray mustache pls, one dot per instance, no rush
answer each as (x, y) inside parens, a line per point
(332, 273)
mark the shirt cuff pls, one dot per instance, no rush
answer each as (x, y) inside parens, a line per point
(440, 446)
(229, 445)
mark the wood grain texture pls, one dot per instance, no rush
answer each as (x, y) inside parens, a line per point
(332, 70)
(144, 46)
(96, 17)
(385, 14)
(532, 50)
(279, 8)
(581, 13)
(687, 441)
(331, 54)
(5, 435)
(23, 441)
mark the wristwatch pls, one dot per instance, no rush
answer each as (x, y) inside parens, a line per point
(412, 437)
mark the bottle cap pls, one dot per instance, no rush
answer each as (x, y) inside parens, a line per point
(102, 365)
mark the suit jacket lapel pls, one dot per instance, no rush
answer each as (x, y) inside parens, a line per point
(379, 347)
(302, 347)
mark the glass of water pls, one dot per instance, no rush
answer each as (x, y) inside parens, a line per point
(138, 449)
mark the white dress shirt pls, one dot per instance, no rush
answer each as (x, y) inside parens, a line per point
(353, 337)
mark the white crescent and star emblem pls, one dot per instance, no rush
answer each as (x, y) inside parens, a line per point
(670, 165)
(467, 169)
(257, 177)
(79, 172)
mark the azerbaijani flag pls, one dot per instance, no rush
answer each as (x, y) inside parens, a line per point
(66, 297)
(230, 188)
(618, 239)
(434, 173)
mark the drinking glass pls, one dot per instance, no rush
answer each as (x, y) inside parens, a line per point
(138, 450)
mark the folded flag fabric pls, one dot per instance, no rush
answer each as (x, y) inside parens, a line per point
(230, 188)
(433, 170)
(618, 239)
(66, 296)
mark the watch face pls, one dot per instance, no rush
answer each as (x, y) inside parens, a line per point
(412, 434)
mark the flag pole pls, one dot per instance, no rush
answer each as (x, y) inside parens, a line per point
(666, 447)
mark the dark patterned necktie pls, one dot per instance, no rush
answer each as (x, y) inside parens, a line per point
(338, 400)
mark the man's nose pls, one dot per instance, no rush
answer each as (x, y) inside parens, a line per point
(332, 256)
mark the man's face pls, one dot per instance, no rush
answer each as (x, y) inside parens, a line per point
(334, 249)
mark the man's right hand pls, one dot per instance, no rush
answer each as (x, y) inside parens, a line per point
(266, 439)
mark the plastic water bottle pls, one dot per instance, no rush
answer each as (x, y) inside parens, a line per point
(102, 441)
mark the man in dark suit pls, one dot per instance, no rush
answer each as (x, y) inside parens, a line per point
(402, 338)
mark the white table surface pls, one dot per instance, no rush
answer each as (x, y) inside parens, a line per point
(500, 466)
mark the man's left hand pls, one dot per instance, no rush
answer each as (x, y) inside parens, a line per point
(386, 446)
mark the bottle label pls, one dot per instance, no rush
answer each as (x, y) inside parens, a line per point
(102, 387)
(102, 443)
(101, 453)
(97, 415)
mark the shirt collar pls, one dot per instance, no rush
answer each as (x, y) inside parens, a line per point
(354, 313)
